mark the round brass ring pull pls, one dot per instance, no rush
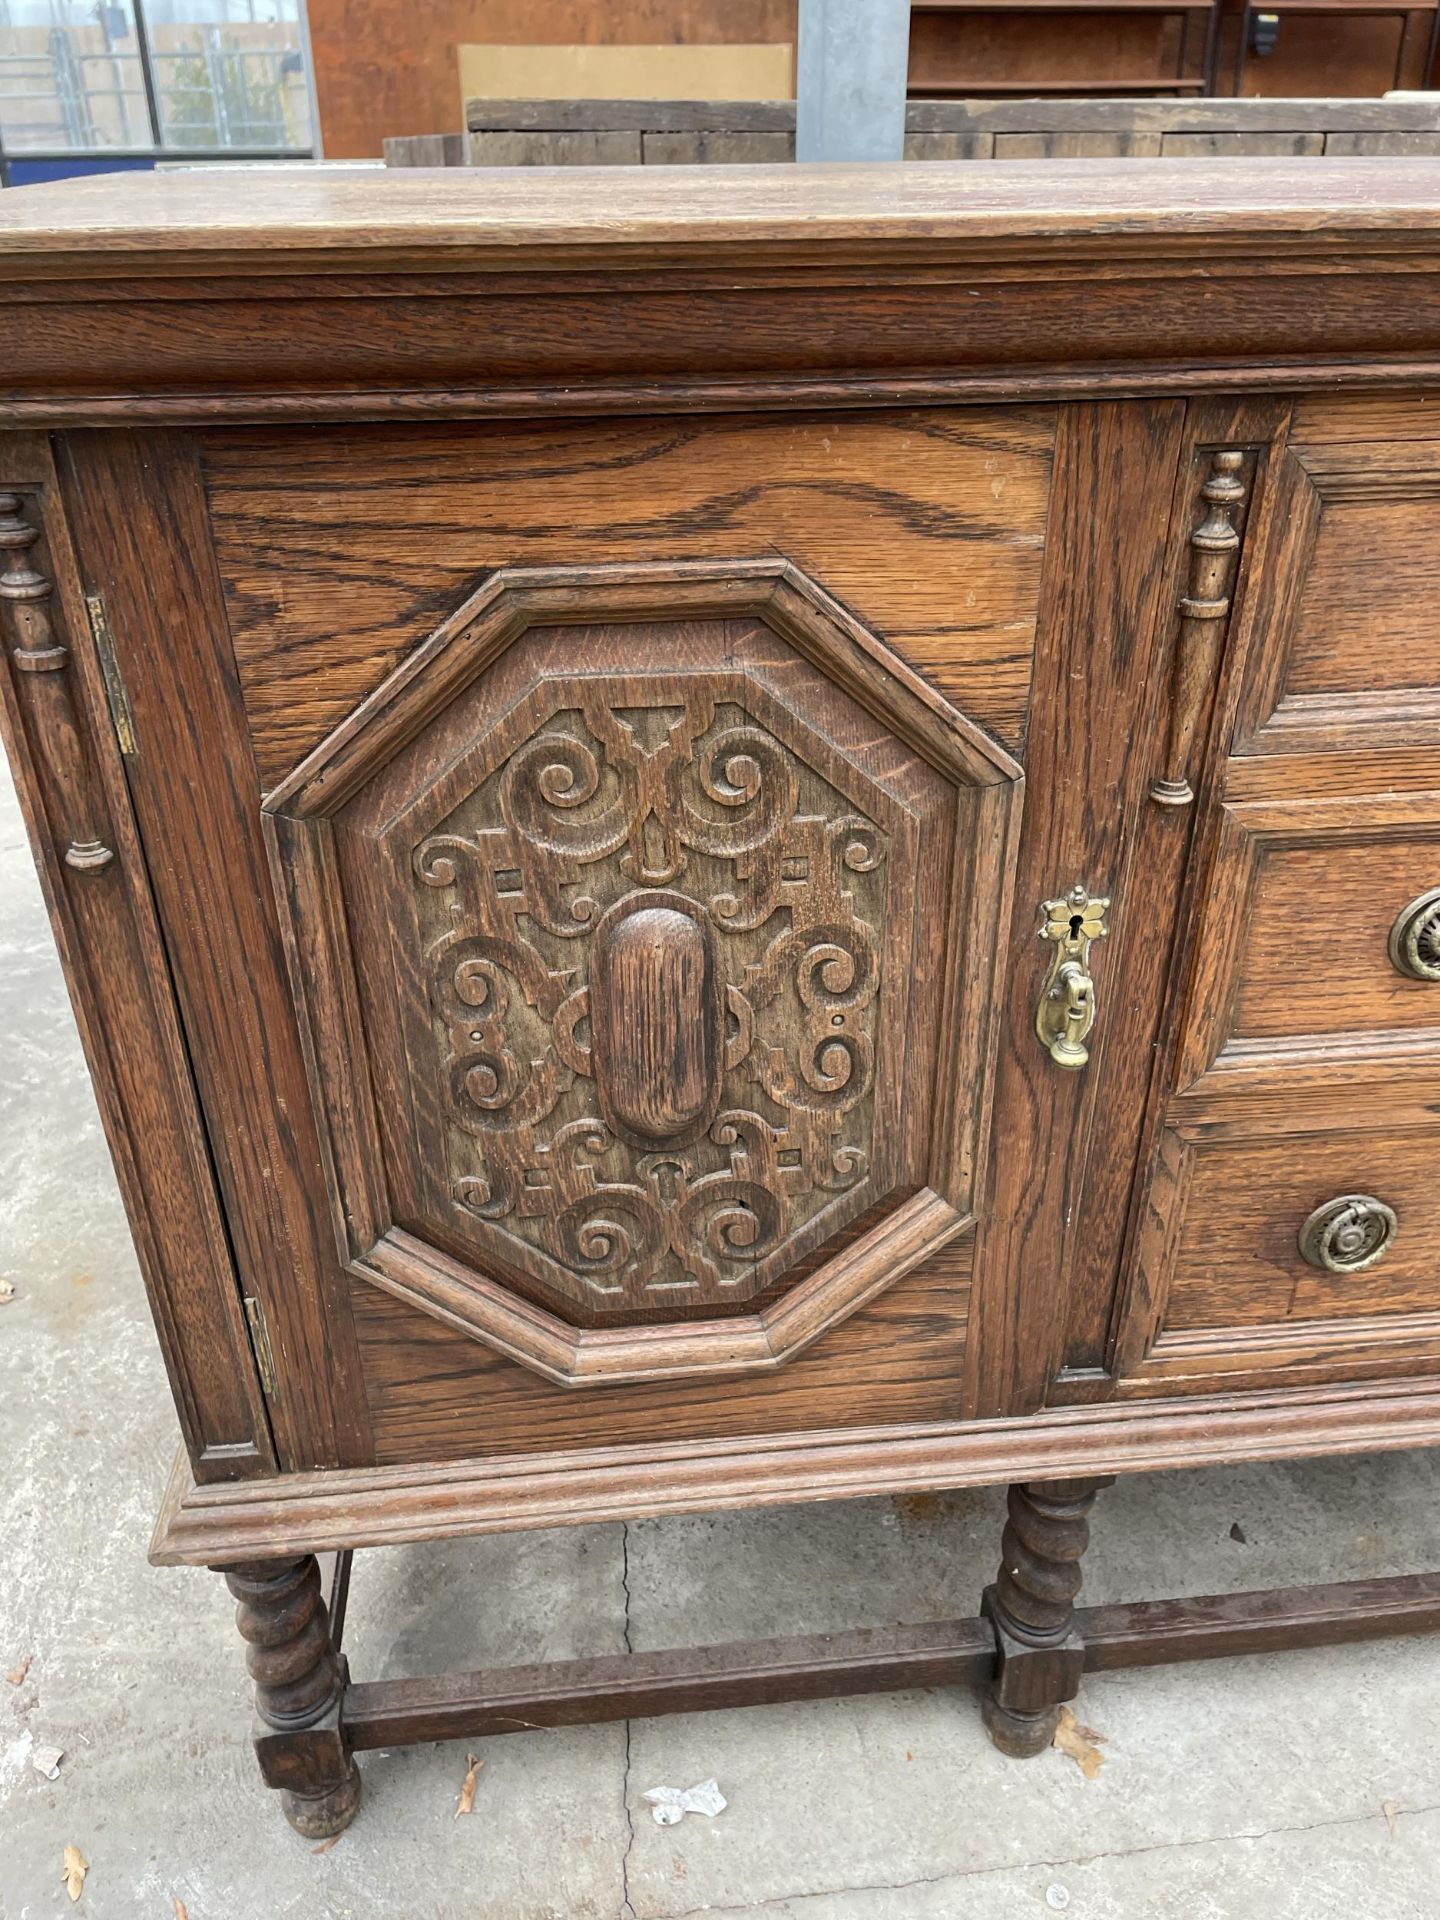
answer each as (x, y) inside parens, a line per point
(1415, 938)
(1348, 1234)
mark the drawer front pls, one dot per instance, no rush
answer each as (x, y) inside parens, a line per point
(1309, 903)
(1352, 654)
(1341, 1227)
(1308, 1035)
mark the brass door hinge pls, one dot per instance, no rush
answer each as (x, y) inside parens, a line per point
(260, 1340)
(121, 717)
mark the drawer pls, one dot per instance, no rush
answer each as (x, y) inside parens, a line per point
(1350, 660)
(1322, 924)
(1278, 1259)
(1307, 1025)
(1242, 1216)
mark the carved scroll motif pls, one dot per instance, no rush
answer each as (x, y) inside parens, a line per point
(678, 804)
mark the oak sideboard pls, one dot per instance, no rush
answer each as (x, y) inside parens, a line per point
(739, 836)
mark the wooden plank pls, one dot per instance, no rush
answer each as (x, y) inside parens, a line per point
(568, 1693)
(426, 150)
(388, 1506)
(1153, 1633)
(116, 967)
(715, 149)
(188, 220)
(1204, 146)
(630, 116)
(151, 557)
(1380, 142)
(973, 119)
(593, 149)
(1187, 116)
(1100, 144)
(1147, 1633)
(959, 145)
(1102, 631)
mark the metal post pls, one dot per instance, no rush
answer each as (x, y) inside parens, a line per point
(850, 71)
(148, 75)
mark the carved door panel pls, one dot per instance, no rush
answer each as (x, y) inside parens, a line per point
(588, 930)
(629, 921)
(608, 959)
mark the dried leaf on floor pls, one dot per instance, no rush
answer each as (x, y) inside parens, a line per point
(1080, 1742)
(182, 1912)
(73, 1872)
(7, 1291)
(1391, 1812)
(466, 1802)
(17, 1673)
(47, 1760)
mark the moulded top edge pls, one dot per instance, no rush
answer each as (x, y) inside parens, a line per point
(213, 217)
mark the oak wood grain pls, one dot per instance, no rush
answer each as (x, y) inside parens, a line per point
(1294, 943)
(1099, 647)
(317, 1512)
(143, 539)
(435, 1393)
(929, 526)
(118, 974)
(199, 216)
(1150, 963)
(1237, 1262)
(1145, 1633)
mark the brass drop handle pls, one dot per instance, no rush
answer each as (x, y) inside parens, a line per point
(1066, 1012)
(1348, 1234)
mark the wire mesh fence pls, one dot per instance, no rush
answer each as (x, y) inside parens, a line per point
(114, 81)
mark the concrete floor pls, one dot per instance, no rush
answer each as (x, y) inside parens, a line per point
(1256, 1788)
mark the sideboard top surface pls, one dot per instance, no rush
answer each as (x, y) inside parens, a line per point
(198, 221)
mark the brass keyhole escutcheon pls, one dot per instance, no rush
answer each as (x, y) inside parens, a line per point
(1415, 938)
(1349, 1234)
(1066, 1012)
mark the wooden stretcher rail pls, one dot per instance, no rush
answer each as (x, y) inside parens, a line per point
(1145, 1633)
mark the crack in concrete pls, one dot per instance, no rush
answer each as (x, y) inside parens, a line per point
(627, 1911)
(1035, 1866)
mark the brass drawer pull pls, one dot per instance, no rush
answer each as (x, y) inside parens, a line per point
(1349, 1234)
(1066, 1012)
(1415, 938)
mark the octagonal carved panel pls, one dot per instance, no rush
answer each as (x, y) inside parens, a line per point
(642, 929)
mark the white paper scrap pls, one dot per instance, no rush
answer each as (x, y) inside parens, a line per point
(668, 1805)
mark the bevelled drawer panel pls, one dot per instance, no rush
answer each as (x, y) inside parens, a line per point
(1353, 658)
(340, 549)
(1316, 955)
(1242, 1210)
(1307, 941)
